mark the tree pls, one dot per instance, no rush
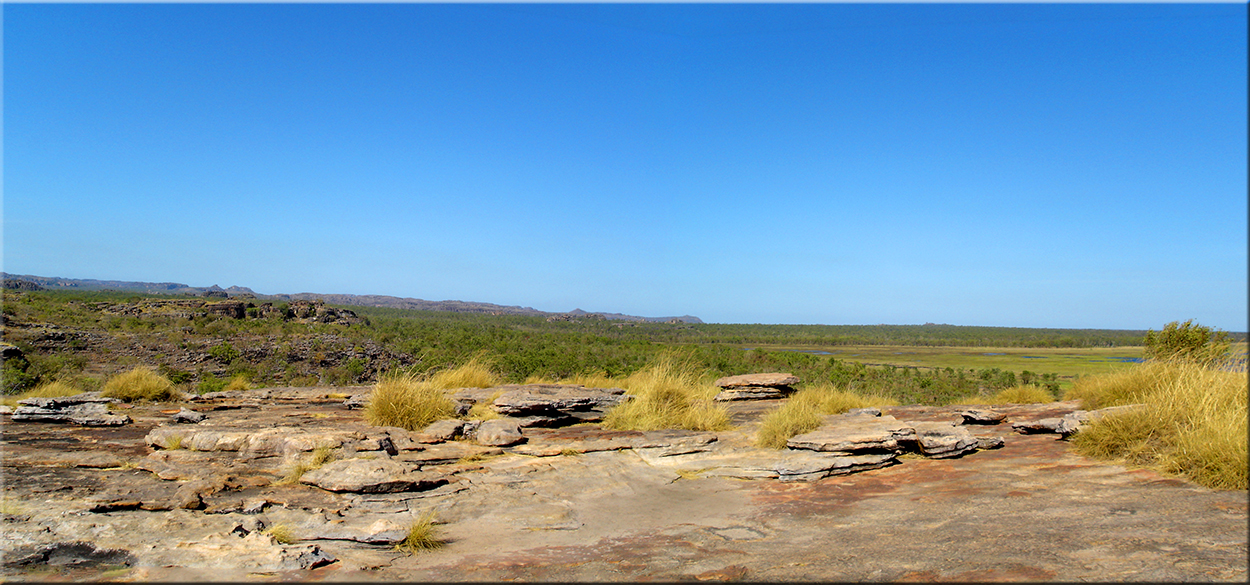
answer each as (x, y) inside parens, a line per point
(1187, 342)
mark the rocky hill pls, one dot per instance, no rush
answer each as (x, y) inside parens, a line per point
(25, 282)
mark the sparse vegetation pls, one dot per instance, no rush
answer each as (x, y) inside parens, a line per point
(668, 394)
(174, 443)
(319, 456)
(482, 410)
(1193, 422)
(141, 383)
(422, 536)
(49, 390)
(281, 534)
(408, 402)
(804, 411)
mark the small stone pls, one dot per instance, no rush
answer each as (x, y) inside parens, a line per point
(981, 416)
(499, 433)
(189, 416)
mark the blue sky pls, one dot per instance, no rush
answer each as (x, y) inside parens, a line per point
(1062, 165)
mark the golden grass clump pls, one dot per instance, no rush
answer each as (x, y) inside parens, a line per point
(422, 536)
(804, 411)
(475, 373)
(282, 534)
(1193, 422)
(55, 389)
(482, 410)
(141, 383)
(408, 402)
(238, 382)
(668, 395)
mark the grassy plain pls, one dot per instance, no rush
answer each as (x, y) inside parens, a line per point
(1065, 362)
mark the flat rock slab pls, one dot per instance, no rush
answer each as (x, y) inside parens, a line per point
(940, 439)
(855, 433)
(371, 476)
(529, 399)
(770, 379)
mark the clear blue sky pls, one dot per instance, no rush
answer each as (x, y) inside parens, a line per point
(1065, 165)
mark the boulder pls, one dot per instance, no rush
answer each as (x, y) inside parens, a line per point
(943, 439)
(850, 434)
(498, 433)
(371, 476)
(981, 416)
(1041, 425)
(86, 409)
(755, 386)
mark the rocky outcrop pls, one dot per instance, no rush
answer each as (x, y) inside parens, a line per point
(87, 409)
(1072, 423)
(550, 405)
(942, 439)
(755, 386)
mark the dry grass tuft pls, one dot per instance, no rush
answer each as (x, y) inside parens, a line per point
(804, 411)
(1022, 394)
(55, 389)
(282, 534)
(422, 536)
(1193, 423)
(668, 395)
(141, 383)
(408, 402)
(238, 382)
(475, 373)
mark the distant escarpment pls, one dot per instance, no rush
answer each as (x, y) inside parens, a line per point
(28, 282)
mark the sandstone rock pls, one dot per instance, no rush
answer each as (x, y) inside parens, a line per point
(942, 439)
(373, 476)
(772, 379)
(864, 412)
(809, 466)
(849, 434)
(753, 393)
(356, 401)
(755, 386)
(76, 554)
(444, 430)
(6, 409)
(86, 409)
(990, 442)
(1043, 425)
(547, 405)
(365, 530)
(498, 433)
(982, 416)
(189, 416)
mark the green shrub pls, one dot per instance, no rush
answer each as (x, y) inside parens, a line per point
(1186, 342)
(141, 383)
(408, 402)
(224, 352)
(210, 383)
